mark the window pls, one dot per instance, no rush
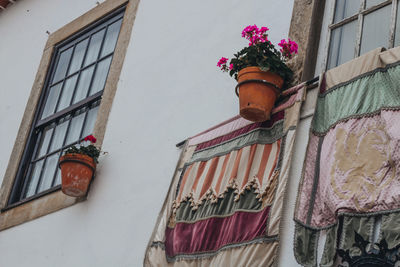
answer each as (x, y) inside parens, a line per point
(359, 26)
(71, 97)
(69, 104)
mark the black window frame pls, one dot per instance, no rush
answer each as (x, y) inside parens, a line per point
(18, 190)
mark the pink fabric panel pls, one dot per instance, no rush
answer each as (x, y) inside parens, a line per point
(360, 168)
(306, 187)
(248, 128)
(229, 127)
(214, 233)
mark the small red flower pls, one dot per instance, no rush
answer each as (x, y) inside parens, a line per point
(90, 138)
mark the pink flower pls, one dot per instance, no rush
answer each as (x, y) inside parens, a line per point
(222, 61)
(288, 48)
(255, 35)
(282, 43)
(263, 29)
(231, 66)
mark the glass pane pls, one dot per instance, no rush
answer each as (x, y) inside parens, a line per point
(90, 120)
(67, 92)
(111, 37)
(36, 169)
(75, 128)
(79, 52)
(51, 100)
(48, 172)
(62, 65)
(343, 41)
(94, 47)
(59, 135)
(376, 29)
(58, 177)
(397, 36)
(345, 9)
(100, 76)
(44, 141)
(371, 3)
(83, 84)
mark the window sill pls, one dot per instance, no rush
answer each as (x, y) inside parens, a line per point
(29, 210)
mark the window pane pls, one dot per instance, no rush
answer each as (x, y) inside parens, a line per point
(83, 84)
(58, 177)
(345, 9)
(48, 172)
(36, 169)
(51, 100)
(371, 3)
(75, 129)
(44, 142)
(343, 40)
(376, 29)
(62, 65)
(111, 37)
(100, 76)
(79, 52)
(59, 135)
(90, 120)
(94, 47)
(67, 92)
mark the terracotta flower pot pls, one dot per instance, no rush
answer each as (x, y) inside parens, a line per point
(76, 173)
(4, 3)
(257, 97)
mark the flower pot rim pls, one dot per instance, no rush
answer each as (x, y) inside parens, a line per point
(79, 158)
(256, 69)
(250, 69)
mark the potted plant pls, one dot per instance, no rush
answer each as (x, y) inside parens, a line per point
(261, 72)
(78, 165)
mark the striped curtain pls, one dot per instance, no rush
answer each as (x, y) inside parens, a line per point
(225, 201)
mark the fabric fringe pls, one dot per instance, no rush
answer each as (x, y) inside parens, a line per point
(264, 195)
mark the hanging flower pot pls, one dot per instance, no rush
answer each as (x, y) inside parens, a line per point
(261, 72)
(4, 3)
(258, 91)
(77, 168)
(76, 173)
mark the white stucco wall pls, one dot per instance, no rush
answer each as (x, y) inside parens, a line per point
(169, 89)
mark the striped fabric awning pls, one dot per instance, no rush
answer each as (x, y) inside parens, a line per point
(225, 201)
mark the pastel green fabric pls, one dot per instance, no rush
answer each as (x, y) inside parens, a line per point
(361, 225)
(305, 245)
(358, 97)
(329, 254)
(259, 136)
(222, 208)
(390, 229)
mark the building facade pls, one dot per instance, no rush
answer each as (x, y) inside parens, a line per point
(144, 78)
